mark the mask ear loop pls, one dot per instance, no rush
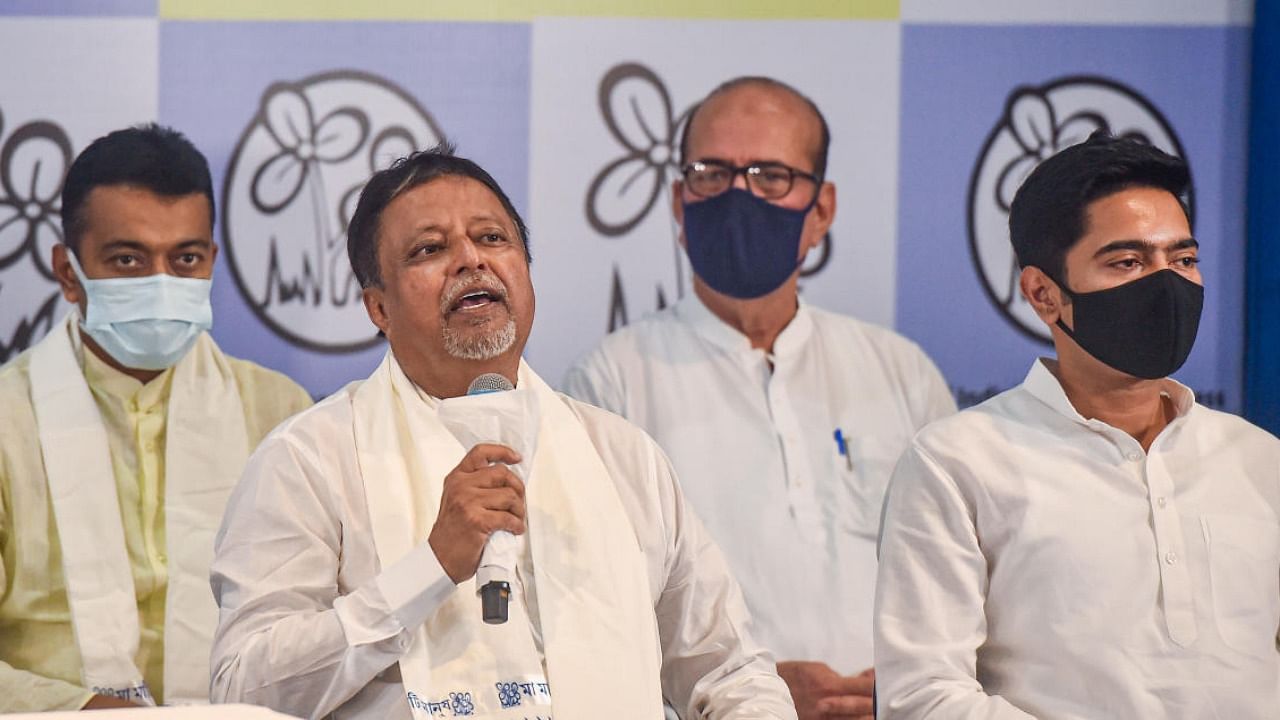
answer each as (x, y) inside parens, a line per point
(75, 265)
(1065, 291)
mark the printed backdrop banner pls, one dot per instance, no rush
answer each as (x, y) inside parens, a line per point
(937, 111)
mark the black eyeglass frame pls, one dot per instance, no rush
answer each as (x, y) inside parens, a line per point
(755, 169)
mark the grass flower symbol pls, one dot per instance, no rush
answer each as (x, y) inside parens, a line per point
(1034, 124)
(33, 162)
(305, 145)
(637, 109)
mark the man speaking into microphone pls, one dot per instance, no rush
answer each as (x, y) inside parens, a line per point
(345, 568)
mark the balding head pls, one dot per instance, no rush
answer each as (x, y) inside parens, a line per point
(750, 106)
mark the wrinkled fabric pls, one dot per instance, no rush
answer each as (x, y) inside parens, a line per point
(1035, 563)
(39, 661)
(311, 624)
(752, 438)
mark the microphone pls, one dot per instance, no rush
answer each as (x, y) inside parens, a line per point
(493, 411)
(493, 580)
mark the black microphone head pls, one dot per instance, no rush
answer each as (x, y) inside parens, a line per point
(488, 383)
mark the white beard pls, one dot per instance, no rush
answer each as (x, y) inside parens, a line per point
(480, 346)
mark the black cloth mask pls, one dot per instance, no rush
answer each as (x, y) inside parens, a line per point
(1144, 328)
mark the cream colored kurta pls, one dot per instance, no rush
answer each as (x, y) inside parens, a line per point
(312, 624)
(39, 661)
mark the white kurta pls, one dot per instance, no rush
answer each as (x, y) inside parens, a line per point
(1038, 564)
(310, 624)
(755, 452)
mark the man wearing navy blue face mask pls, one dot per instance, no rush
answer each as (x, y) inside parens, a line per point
(121, 434)
(783, 420)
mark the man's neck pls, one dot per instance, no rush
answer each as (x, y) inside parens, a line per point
(1141, 408)
(761, 319)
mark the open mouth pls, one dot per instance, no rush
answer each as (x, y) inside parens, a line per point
(476, 299)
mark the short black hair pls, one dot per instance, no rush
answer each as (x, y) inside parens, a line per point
(1047, 215)
(151, 157)
(403, 175)
(824, 141)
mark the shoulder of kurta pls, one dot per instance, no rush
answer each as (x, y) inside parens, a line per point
(1225, 428)
(602, 423)
(325, 425)
(614, 436)
(267, 394)
(646, 336)
(972, 432)
(17, 416)
(881, 340)
(15, 378)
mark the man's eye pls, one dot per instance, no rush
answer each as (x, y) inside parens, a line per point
(1127, 263)
(189, 259)
(493, 238)
(425, 250)
(125, 260)
(1189, 261)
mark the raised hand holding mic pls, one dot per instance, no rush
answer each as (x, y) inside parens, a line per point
(494, 412)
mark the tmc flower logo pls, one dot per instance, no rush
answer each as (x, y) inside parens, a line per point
(33, 162)
(637, 109)
(291, 188)
(1037, 123)
(304, 145)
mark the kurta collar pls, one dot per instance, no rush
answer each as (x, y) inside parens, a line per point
(707, 325)
(1045, 387)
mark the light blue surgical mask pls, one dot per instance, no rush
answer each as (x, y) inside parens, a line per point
(145, 323)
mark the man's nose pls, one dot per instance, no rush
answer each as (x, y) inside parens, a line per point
(468, 256)
(740, 180)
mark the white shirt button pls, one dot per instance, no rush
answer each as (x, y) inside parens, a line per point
(1171, 558)
(1134, 456)
(1161, 501)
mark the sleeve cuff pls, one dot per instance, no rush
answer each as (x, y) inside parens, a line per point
(415, 586)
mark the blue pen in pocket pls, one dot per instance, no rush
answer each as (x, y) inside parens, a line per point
(842, 446)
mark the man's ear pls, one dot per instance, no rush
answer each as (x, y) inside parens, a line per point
(65, 275)
(1044, 295)
(375, 305)
(820, 218)
(677, 206)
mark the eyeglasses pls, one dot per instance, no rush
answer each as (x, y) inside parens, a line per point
(769, 180)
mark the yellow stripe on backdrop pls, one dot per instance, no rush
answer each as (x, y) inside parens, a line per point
(509, 10)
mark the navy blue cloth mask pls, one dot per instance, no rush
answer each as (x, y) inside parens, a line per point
(741, 245)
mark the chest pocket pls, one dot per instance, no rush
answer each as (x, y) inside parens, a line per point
(1244, 572)
(864, 476)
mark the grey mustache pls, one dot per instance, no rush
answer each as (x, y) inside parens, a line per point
(484, 283)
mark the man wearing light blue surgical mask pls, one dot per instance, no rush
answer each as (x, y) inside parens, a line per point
(783, 420)
(121, 435)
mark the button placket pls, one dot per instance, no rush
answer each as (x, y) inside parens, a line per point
(1175, 581)
(800, 491)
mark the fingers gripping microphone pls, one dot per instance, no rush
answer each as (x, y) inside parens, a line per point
(492, 412)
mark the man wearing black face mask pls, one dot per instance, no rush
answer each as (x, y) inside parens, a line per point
(1092, 543)
(782, 419)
